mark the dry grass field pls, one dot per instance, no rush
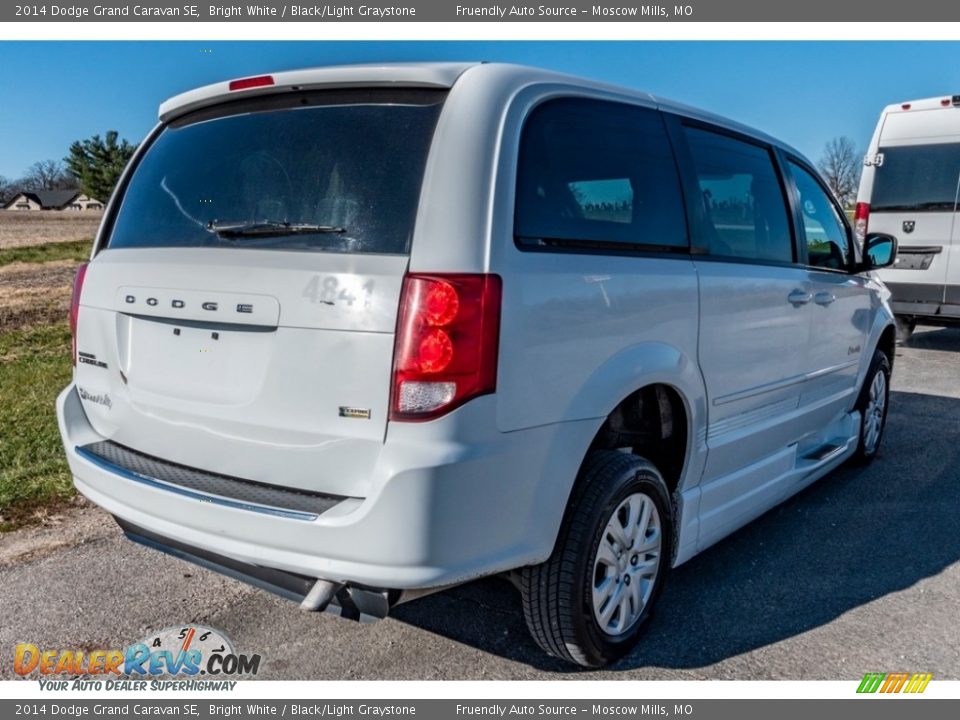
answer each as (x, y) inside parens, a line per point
(39, 253)
(23, 229)
(35, 293)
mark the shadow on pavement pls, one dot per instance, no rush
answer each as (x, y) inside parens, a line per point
(944, 339)
(854, 536)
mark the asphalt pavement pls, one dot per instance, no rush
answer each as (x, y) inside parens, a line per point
(858, 573)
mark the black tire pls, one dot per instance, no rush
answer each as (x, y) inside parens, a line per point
(558, 594)
(905, 327)
(867, 451)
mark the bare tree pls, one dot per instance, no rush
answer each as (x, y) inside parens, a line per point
(841, 166)
(47, 175)
(7, 189)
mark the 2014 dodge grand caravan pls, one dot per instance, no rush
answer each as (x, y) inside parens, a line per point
(356, 334)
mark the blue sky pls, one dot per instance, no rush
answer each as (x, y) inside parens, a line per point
(805, 93)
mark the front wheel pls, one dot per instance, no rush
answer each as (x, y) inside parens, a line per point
(589, 601)
(872, 404)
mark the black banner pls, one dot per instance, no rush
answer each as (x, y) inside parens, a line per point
(486, 709)
(447, 11)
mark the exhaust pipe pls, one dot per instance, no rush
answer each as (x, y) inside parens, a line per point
(364, 604)
(319, 596)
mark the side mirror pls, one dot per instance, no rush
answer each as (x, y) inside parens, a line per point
(880, 251)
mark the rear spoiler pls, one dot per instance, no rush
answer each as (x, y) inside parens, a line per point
(436, 76)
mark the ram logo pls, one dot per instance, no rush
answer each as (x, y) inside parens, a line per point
(909, 225)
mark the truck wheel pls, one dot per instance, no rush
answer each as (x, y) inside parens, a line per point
(905, 327)
(589, 601)
(872, 404)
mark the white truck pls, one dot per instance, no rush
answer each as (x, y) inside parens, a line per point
(908, 189)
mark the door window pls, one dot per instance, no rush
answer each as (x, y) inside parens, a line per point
(824, 232)
(742, 199)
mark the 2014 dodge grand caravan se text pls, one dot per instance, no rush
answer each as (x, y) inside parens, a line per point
(357, 334)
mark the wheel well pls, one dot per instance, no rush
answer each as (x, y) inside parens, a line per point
(888, 343)
(652, 422)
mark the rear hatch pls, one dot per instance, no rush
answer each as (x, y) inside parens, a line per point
(240, 317)
(914, 198)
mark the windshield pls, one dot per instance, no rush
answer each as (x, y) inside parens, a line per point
(917, 178)
(307, 171)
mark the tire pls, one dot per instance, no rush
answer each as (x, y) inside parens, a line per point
(905, 327)
(564, 598)
(874, 401)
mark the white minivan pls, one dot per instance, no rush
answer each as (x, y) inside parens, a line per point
(358, 334)
(909, 188)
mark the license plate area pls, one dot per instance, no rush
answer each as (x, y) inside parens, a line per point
(916, 257)
(213, 363)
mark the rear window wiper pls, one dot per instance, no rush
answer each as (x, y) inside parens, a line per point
(268, 229)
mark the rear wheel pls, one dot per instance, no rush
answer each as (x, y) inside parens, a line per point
(872, 404)
(589, 601)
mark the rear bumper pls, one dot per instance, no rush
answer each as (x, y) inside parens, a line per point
(440, 511)
(930, 302)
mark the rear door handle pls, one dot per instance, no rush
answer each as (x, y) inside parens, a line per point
(799, 297)
(824, 298)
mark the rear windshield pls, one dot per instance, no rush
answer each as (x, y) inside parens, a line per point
(917, 178)
(302, 171)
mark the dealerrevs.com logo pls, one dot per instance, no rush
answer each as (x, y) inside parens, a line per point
(185, 653)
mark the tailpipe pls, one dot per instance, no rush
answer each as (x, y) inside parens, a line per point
(353, 602)
(320, 595)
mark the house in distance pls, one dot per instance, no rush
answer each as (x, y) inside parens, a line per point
(52, 200)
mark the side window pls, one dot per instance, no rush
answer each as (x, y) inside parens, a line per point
(597, 172)
(746, 216)
(824, 232)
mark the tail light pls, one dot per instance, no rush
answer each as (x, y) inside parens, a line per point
(861, 216)
(75, 309)
(446, 344)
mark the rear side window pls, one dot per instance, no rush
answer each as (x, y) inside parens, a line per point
(308, 171)
(742, 199)
(597, 173)
(917, 178)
